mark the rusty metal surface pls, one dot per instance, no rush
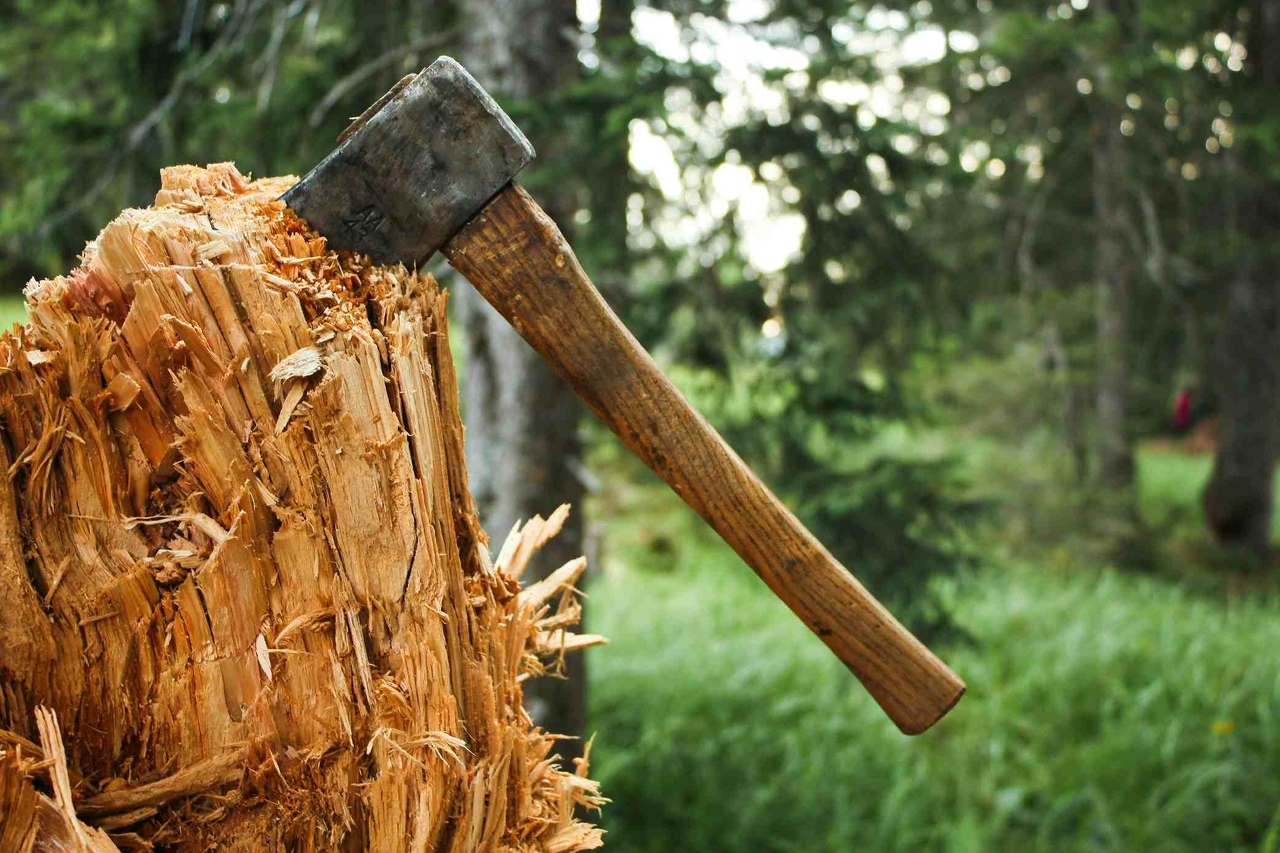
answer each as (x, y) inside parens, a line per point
(413, 174)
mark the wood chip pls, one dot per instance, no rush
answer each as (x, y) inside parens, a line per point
(298, 365)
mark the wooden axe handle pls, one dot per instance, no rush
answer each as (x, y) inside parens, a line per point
(517, 258)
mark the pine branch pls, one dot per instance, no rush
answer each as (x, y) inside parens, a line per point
(246, 11)
(373, 66)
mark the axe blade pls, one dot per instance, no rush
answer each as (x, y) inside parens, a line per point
(416, 171)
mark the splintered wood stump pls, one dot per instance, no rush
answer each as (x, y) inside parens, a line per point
(247, 603)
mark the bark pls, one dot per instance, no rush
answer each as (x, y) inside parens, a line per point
(1033, 283)
(1073, 400)
(1113, 277)
(248, 600)
(1238, 498)
(609, 193)
(522, 419)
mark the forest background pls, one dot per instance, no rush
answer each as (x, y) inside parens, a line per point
(986, 290)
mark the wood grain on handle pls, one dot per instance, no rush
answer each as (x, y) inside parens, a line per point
(517, 258)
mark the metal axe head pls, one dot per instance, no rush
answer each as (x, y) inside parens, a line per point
(434, 150)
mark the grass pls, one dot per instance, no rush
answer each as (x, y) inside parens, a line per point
(1105, 712)
(12, 310)
(1169, 487)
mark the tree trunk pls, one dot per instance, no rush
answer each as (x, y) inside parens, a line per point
(1032, 283)
(1239, 496)
(522, 419)
(610, 141)
(247, 601)
(1113, 278)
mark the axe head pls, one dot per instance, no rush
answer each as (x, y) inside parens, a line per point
(404, 180)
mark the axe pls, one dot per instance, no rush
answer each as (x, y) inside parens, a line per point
(429, 168)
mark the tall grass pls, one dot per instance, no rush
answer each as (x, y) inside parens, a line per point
(1105, 712)
(12, 310)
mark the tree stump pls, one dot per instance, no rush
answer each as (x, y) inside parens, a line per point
(247, 601)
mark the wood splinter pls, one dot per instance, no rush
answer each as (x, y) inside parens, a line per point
(248, 603)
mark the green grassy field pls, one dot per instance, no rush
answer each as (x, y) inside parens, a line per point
(12, 310)
(1105, 712)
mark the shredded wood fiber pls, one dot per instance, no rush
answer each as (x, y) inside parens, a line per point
(247, 603)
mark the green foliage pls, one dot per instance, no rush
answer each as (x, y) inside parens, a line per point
(799, 362)
(1104, 713)
(894, 516)
(1043, 86)
(96, 97)
(1169, 486)
(1002, 416)
(914, 245)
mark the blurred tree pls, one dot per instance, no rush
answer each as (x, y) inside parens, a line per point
(1239, 497)
(1112, 262)
(1046, 101)
(1141, 96)
(523, 447)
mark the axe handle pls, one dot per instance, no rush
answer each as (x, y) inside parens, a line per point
(514, 254)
